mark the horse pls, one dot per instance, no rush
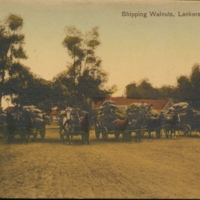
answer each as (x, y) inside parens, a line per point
(85, 127)
(46, 119)
(137, 121)
(38, 124)
(120, 126)
(170, 124)
(155, 124)
(72, 124)
(19, 122)
(66, 126)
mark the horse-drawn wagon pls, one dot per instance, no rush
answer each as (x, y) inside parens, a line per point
(105, 120)
(193, 117)
(24, 121)
(137, 120)
(74, 122)
(177, 119)
(169, 122)
(39, 121)
(18, 122)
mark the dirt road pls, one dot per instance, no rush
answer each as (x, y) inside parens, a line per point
(153, 168)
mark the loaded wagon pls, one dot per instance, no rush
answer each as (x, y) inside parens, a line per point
(39, 121)
(105, 126)
(194, 120)
(74, 122)
(25, 122)
(137, 117)
(105, 117)
(177, 119)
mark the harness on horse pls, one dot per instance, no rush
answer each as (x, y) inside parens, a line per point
(70, 119)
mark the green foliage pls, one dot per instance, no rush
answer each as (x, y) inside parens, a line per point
(142, 90)
(25, 88)
(186, 90)
(14, 22)
(84, 78)
(167, 91)
(19, 53)
(11, 42)
(194, 86)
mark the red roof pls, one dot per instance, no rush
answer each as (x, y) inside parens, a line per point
(158, 104)
(9, 108)
(54, 112)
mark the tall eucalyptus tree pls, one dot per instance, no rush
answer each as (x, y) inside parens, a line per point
(85, 67)
(11, 47)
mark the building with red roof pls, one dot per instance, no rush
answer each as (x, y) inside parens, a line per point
(123, 102)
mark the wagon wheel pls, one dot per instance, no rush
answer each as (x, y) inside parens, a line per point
(42, 132)
(142, 132)
(159, 132)
(22, 133)
(166, 131)
(6, 134)
(127, 135)
(11, 137)
(34, 132)
(105, 133)
(88, 138)
(4, 130)
(187, 129)
(97, 132)
(117, 135)
(61, 137)
(34, 136)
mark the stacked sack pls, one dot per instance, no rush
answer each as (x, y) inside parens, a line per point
(180, 107)
(109, 109)
(36, 113)
(134, 107)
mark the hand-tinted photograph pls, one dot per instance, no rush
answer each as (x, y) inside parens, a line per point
(100, 99)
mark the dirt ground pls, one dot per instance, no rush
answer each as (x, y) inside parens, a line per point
(153, 168)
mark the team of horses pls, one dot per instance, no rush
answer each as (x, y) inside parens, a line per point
(24, 122)
(140, 122)
(75, 122)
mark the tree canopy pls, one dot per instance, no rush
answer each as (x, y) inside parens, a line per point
(84, 79)
(11, 42)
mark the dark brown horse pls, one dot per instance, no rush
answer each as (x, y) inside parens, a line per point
(120, 127)
(171, 124)
(154, 124)
(129, 125)
(85, 127)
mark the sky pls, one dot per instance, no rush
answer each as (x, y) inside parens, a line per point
(157, 48)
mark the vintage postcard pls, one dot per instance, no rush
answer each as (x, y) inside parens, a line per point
(100, 99)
